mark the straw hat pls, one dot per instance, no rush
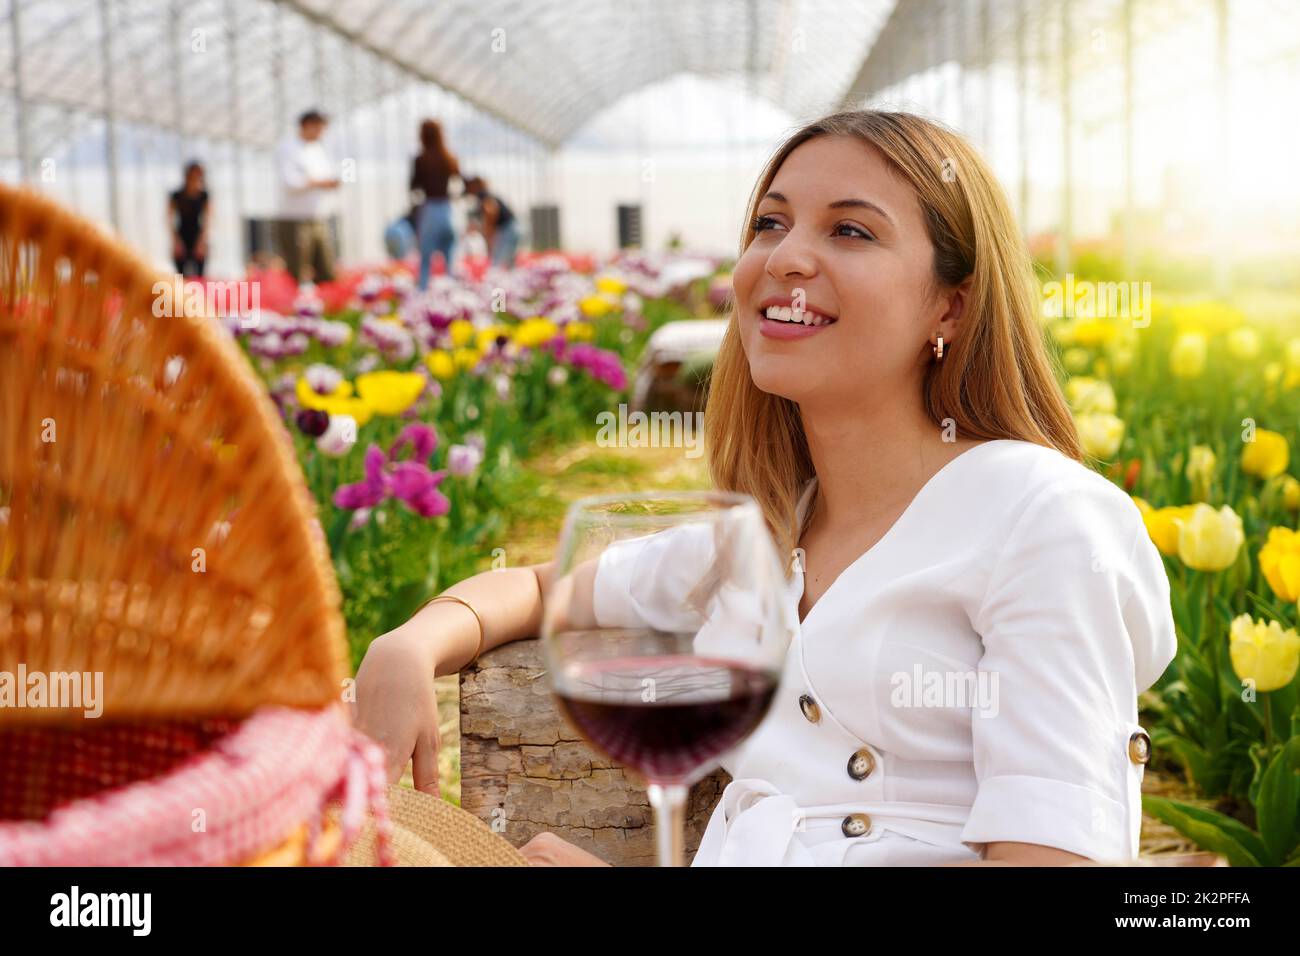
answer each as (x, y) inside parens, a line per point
(429, 831)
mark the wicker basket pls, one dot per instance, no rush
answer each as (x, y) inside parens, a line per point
(155, 529)
(136, 448)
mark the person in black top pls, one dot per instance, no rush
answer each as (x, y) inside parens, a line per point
(431, 174)
(495, 220)
(187, 219)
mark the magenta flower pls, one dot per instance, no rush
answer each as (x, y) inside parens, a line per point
(408, 480)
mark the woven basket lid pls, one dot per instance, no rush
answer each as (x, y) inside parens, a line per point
(155, 525)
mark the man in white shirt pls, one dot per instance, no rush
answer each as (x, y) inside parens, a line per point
(307, 181)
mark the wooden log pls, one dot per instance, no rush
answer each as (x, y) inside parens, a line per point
(525, 770)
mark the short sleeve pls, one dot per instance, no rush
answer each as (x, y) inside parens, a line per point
(645, 581)
(1075, 621)
(292, 173)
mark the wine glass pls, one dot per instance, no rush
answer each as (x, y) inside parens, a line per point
(665, 630)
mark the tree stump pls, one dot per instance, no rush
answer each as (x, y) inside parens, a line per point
(525, 770)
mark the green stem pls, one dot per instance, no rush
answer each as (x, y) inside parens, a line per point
(1209, 640)
(1268, 724)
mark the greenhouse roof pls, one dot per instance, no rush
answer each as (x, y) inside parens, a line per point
(242, 69)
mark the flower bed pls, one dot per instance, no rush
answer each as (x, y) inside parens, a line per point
(1194, 414)
(410, 412)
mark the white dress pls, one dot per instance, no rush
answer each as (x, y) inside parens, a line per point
(970, 678)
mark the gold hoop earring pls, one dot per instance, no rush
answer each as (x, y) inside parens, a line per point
(938, 350)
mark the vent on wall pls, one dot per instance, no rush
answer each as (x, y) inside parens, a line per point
(545, 223)
(629, 225)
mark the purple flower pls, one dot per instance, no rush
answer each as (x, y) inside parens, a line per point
(409, 481)
(600, 364)
(313, 422)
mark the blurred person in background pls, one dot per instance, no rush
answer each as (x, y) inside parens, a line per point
(307, 181)
(431, 174)
(495, 221)
(187, 221)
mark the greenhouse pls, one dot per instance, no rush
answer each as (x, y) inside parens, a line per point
(532, 427)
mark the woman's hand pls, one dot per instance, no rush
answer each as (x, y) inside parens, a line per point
(546, 849)
(397, 705)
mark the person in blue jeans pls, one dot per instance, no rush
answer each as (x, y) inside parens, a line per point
(496, 221)
(431, 174)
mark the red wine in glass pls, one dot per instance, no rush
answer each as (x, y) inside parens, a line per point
(665, 629)
(668, 717)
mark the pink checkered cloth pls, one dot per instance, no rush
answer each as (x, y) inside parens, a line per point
(185, 793)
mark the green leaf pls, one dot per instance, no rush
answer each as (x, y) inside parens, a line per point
(337, 530)
(1278, 809)
(1210, 830)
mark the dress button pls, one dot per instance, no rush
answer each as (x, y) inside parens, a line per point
(855, 825)
(811, 711)
(1139, 747)
(861, 764)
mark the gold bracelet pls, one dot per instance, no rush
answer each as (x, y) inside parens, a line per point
(482, 632)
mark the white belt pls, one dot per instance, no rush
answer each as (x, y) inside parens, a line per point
(755, 824)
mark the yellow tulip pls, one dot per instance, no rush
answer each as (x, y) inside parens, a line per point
(536, 331)
(1201, 464)
(1290, 493)
(1267, 456)
(441, 364)
(486, 338)
(1273, 373)
(1187, 356)
(466, 358)
(594, 306)
(1263, 653)
(1243, 343)
(1100, 434)
(461, 332)
(339, 402)
(579, 331)
(1209, 540)
(1163, 523)
(1094, 331)
(1090, 395)
(389, 392)
(611, 285)
(1279, 561)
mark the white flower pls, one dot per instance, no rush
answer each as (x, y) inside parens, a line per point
(339, 436)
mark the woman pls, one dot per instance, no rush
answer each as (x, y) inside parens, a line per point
(188, 213)
(496, 221)
(885, 393)
(431, 174)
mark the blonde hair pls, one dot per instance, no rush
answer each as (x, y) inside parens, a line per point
(997, 380)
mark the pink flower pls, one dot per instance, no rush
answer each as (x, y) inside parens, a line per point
(408, 480)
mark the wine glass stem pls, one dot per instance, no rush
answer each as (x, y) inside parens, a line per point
(669, 803)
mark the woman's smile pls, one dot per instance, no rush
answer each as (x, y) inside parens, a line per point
(783, 317)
